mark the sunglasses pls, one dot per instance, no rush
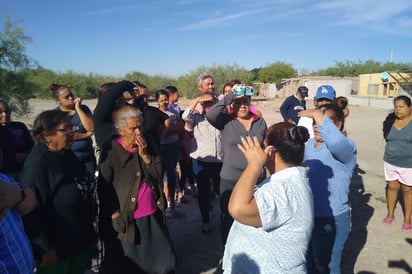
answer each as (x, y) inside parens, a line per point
(68, 96)
(241, 102)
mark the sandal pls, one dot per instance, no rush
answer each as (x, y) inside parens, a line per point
(406, 227)
(388, 220)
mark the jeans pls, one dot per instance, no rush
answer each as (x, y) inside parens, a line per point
(205, 172)
(170, 156)
(326, 245)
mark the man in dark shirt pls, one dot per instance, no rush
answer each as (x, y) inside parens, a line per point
(293, 104)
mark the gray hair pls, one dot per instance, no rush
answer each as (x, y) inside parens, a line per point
(202, 77)
(125, 112)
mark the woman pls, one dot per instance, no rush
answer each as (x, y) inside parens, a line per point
(15, 141)
(273, 220)
(60, 228)
(241, 122)
(397, 131)
(129, 182)
(331, 158)
(81, 118)
(206, 154)
(169, 148)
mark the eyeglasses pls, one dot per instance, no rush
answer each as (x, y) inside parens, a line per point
(68, 129)
(6, 110)
(68, 96)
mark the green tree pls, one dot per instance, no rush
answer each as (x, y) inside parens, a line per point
(353, 69)
(82, 85)
(14, 65)
(275, 72)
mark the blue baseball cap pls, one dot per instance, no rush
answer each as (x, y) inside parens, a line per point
(325, 92)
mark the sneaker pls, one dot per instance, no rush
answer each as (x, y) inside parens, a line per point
(206, 228)
(170, 212)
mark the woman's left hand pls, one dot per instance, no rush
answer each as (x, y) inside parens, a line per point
(251, 148)
(77, 102)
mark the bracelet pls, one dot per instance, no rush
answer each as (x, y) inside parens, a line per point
(23, 194)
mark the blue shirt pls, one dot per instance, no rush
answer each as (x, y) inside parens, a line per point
(15, 250)
(330, 170)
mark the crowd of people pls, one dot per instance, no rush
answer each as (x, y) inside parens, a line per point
(70, 204)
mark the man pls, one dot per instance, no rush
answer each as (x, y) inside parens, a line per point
(206, 83)
(293, 104)
(325, 94)
(15, 250)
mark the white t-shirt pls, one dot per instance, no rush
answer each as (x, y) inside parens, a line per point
(285, 206)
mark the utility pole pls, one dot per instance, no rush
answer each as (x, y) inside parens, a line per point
(391, 58)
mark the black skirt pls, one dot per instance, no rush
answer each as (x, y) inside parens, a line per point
(152, 251)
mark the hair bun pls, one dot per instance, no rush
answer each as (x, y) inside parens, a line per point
(302, 134)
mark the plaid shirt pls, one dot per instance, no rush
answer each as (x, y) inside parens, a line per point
(15, 251)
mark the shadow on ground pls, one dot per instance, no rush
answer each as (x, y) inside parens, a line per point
(402, 264)
(361, 214)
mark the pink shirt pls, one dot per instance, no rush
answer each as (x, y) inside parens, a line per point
(145, 201)
(146, 204)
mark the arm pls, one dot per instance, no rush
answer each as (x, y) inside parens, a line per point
(216, 114)
(85, 116)
(13, 195)
(109, 202)
(242, 203)
(165, 129)
(284, 109)
(102, 113)
(341, 147)
(188, 116)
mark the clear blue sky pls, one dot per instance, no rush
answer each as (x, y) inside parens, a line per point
(174, 37)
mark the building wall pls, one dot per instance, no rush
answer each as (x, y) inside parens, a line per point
(342, 86)
(372, 85)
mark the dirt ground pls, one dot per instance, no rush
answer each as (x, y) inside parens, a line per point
(371, 247)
